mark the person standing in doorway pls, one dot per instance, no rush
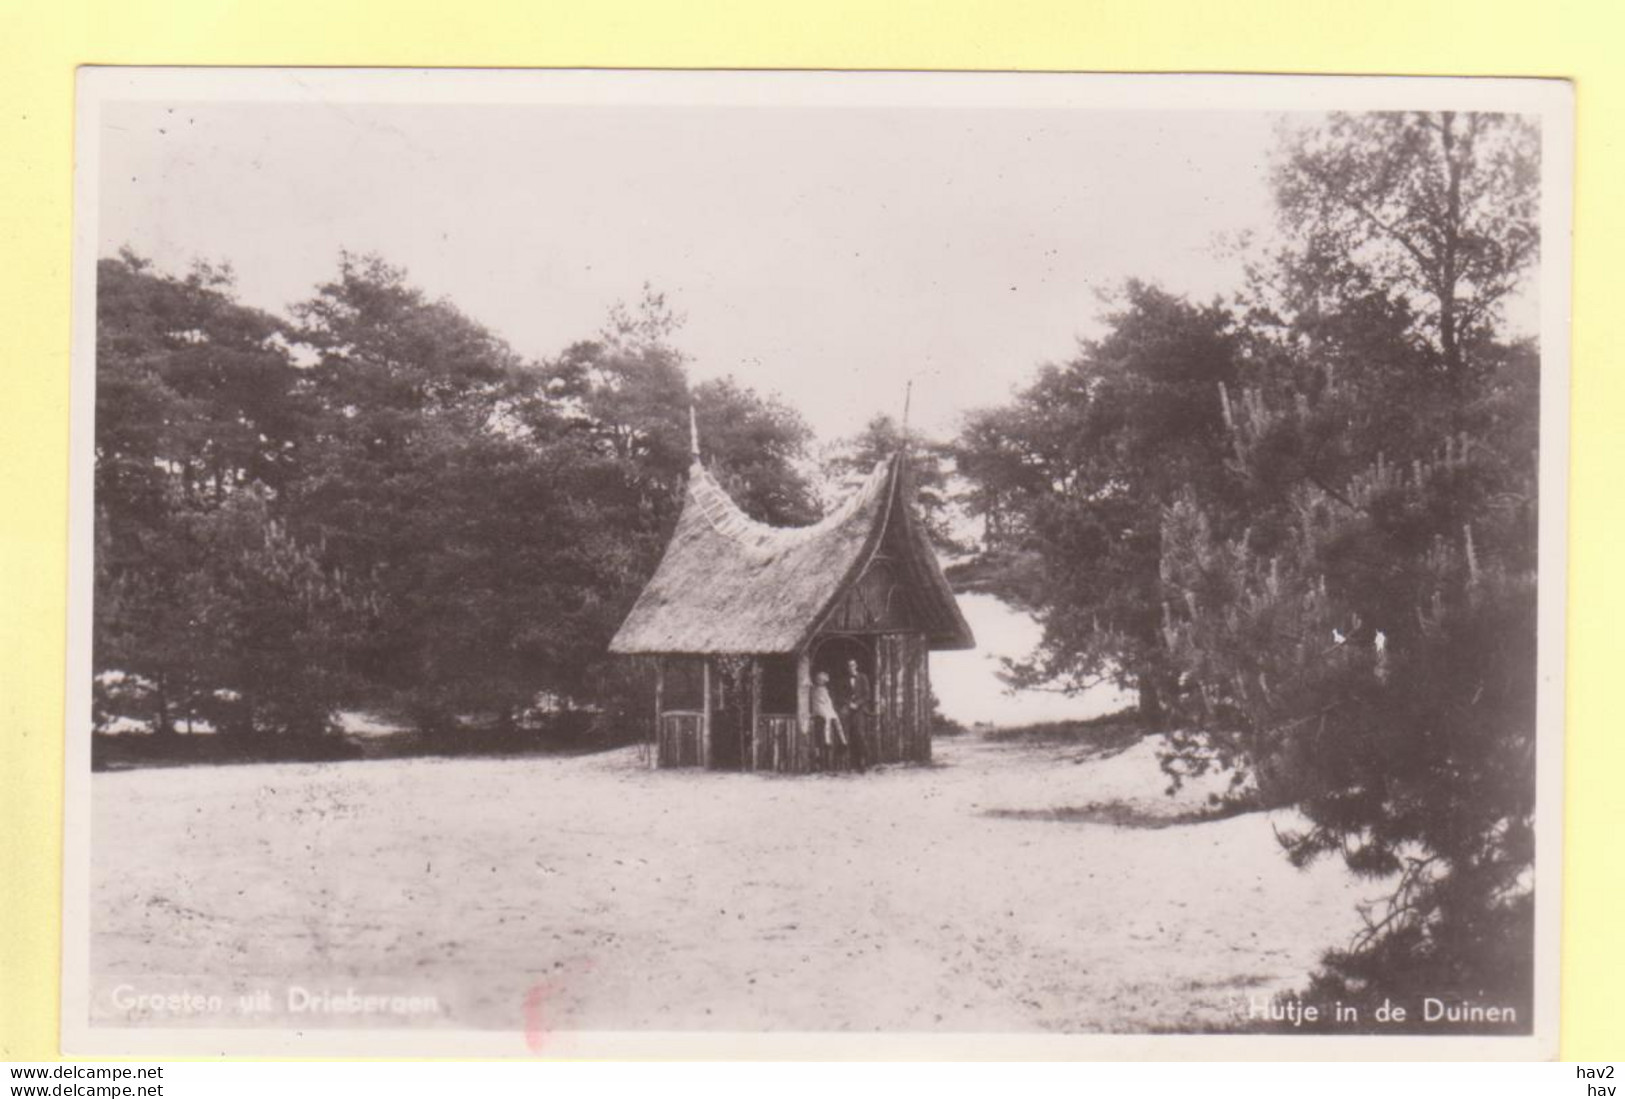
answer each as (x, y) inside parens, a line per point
(827, 732)
(857, 707)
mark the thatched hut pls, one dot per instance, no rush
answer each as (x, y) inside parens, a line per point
(739, 617)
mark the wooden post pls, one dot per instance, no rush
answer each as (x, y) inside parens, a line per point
(660, 693)
(753, 757)
(801, 753)
(909, 748)
(925, 702)
(884, 677)
(705, 711)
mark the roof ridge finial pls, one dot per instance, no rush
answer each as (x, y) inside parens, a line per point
(693, 435)
(908, 396)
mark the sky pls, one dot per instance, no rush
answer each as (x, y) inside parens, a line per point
(824, 253)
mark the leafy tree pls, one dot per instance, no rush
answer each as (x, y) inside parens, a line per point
(1363, 645)
(1074, 474)
(629, 391)
(931, 465)
(194, 390)
(757, 448)
(386, 351)
(278, 623)
(1437, 212)
(1310, 528)
(146, 611)
(632, 402)
(507, 512)
(198, 403)
(415, 458)
(1376, 667)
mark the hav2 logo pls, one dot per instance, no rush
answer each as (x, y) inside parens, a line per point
(1606, 1072)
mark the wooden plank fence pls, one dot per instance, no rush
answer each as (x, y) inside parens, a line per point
(680, 739)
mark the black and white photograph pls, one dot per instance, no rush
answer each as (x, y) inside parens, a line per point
(816, 564)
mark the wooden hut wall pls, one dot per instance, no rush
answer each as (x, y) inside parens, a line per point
(681, 736)
(920, 748)
(686, 688)
(682, 693)
(902, 730)
(899, 732)
(775, 703)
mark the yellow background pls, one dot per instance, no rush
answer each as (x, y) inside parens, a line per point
(41, 41)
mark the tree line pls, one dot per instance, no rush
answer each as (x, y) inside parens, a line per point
(376, 502)
(1300, 521)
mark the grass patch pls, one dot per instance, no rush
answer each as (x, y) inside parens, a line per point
(130, 751)
(1097, 738)
(1122, 814)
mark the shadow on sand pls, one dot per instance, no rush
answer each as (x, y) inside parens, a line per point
(1121, 814)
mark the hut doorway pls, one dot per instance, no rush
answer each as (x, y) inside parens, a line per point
(731, 722)
(830, 654)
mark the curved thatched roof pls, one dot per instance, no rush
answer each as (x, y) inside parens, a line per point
(729, 584)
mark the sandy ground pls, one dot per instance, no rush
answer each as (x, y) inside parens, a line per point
(591, 893)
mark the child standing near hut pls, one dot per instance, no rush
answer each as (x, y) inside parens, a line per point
(827, 730)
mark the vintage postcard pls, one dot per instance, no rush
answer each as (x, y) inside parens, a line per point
(789, 564)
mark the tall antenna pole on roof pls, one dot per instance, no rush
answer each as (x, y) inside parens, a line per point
(693, 435)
